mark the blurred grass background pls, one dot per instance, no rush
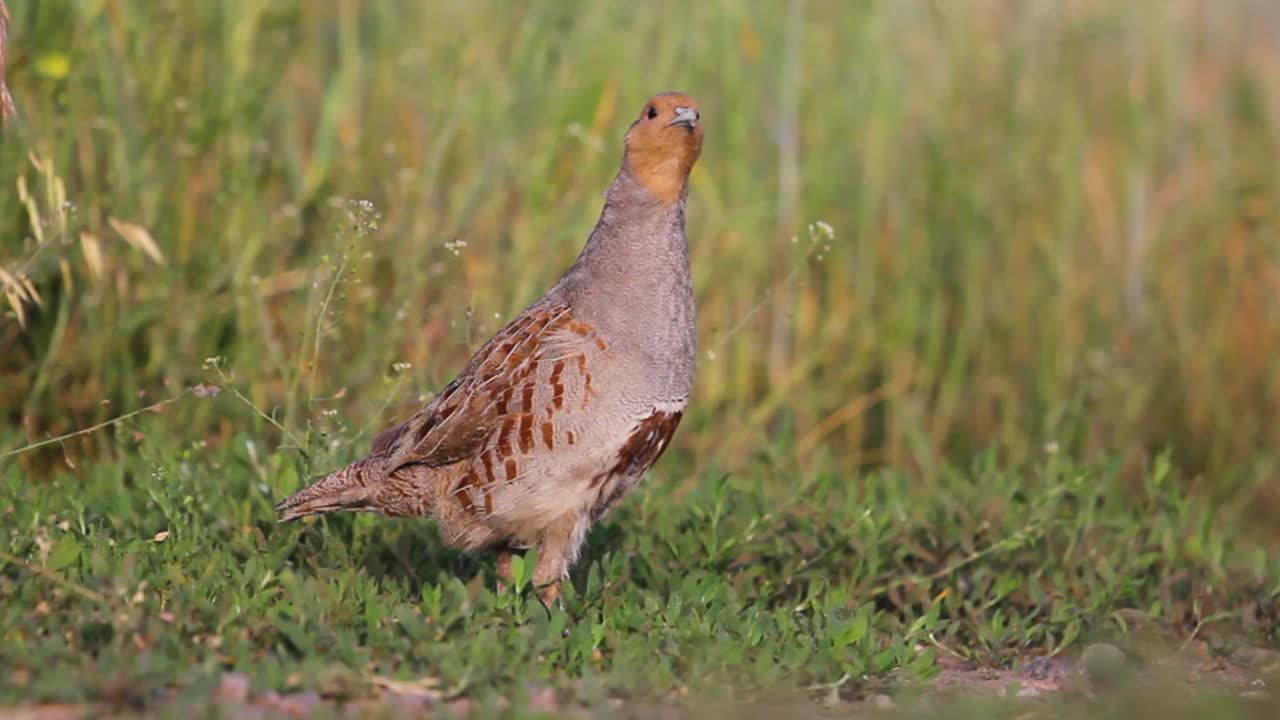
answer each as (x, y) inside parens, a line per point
(1055, 223)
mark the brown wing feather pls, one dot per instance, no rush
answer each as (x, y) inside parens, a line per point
(470, 409)
(385, 440)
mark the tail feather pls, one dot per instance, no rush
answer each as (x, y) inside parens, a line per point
(351, 488)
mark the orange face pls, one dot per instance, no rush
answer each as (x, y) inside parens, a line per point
(664, 143)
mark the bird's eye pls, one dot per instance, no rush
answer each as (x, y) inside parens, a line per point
(652, 112)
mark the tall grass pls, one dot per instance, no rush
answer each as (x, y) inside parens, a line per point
(1054, 222)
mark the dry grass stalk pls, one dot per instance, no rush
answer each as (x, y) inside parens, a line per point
(7, 108)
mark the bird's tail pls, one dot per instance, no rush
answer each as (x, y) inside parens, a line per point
(354, 487)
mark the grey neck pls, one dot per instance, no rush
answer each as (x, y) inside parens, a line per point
(638, 245)
(633, 279)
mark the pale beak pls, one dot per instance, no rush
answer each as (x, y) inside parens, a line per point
(686, 116)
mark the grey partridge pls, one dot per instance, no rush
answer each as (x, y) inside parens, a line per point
(559, 416)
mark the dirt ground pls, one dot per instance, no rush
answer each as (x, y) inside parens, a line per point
(1253, 673)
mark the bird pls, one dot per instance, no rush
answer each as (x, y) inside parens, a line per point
(560, 415)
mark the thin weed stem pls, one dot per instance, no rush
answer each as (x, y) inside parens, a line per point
(318, 338)
(94, 428)
(56, 579)
(814, 248)
(226, 383)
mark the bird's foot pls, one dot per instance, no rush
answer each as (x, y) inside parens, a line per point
(550, 596)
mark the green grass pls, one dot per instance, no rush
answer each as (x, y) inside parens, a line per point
(1022, 397)
(171, 570)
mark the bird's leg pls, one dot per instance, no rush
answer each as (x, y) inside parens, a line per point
(547, 579)
(504, 569)
(557, 549)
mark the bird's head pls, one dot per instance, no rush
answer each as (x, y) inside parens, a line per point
(664, 143)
